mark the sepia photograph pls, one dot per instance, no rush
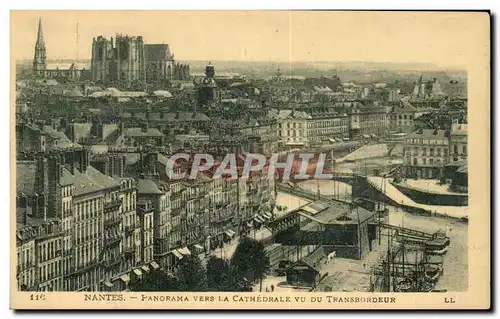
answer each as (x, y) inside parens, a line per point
(250, 159)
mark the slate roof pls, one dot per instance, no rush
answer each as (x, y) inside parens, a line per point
(429, 133)
(340, 213)
(147, 186)
(25, 177)
(138, 132)
(63, 140)
(157, 52)
(90, 181)
(404, 107)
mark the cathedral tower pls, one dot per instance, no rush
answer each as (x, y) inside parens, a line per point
(39, 61)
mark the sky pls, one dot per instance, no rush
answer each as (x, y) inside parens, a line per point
(446, 39)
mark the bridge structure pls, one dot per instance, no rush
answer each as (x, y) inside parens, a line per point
(379, 189)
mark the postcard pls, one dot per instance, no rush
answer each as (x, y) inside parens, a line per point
(250, 160)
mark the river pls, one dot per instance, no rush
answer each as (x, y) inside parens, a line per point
(455, 276)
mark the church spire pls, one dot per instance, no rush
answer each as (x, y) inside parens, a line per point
(39, 39)
(39, 63)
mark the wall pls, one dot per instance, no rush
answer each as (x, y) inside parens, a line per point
(432, 198)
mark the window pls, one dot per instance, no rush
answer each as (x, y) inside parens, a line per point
(415, 161)
(424, 161)
(464, 149)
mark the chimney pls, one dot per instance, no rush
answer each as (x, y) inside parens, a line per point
(84, 160)
(34, 205)
(40, 173)
(70, 131)
(121, 129)
(55, 168)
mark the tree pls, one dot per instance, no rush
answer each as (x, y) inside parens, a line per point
(250, 261)
(191, 275)
(217, 274)
(156, 280)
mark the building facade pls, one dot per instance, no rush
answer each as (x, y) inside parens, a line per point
(425, 153)
(129, 61)
(458, 142)
(323, 128)
(403, 117)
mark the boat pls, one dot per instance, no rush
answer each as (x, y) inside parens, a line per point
(438, 245)
(404, 285)
(425, 286)
(439, 252)
(432, 272)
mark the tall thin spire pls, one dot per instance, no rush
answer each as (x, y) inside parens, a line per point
(39, 61)
(39, 39)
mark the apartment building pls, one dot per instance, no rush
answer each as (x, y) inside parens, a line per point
(39, 251)
(324, 128)
(458, 142)
(425, 153)
(292, 128)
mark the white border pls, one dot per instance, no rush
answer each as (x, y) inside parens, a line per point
(6, 6)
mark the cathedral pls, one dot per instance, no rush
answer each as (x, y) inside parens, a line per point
(127, 60)
(40, 62)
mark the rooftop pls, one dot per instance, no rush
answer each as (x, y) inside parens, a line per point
(139, 132)
(337, 213)
(429, 133)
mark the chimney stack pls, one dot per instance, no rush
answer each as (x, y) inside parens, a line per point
(55, 168)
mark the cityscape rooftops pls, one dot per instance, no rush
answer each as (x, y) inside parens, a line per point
(429, 133)
(139, 132)
(147, 186)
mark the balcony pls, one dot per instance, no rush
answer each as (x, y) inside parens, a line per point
(129, 251)
(84, 268)
(129, 230)
(110, 263)
(115, 203)
(111, 241)
(112, 222)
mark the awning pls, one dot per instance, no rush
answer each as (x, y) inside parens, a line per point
(333, 140)
(198, 246)
(184, 251)
(267, 215)
(346, 139)
(125, 278)
(154, 265)
(145, 268)
(366, 136)
(138, 272)
(230, 233)
(177, 253)
(259, 219)
(108, 284)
